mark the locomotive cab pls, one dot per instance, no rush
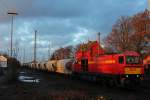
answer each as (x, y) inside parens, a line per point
(132, 69)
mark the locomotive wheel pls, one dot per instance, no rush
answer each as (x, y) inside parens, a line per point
(94, 78)
(102, 82)
(110, 83)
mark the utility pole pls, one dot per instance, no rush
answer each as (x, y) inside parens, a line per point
(24, 55)
(35, 47)
(98, 39)
(49, 50)
(11, 39)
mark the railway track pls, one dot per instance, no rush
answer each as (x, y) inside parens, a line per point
(54, 86)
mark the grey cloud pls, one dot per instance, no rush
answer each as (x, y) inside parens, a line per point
(59, 21)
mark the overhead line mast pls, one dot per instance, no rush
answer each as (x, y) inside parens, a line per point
(98, 39)
(11, 38)
(35, 46)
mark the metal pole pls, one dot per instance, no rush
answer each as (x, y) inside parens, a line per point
(24, 55)
(49, 50)
(98, 43)
(35, 47)
(11, 37)
(11, 41)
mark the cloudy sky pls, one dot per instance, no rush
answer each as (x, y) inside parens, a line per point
(60, 22)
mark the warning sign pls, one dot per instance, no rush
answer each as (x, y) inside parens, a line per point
(3, 61)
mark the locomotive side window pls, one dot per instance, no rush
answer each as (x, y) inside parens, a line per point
(121, 60)
(133, 60)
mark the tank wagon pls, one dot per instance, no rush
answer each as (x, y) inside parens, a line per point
(51, 65)
(59, 66)
(64, 66)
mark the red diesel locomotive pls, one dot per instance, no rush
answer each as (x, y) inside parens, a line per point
(92, 63)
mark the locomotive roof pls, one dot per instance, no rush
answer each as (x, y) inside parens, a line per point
(87, 46)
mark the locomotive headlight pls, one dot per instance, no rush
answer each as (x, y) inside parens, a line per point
(127, 76)
(137, 75)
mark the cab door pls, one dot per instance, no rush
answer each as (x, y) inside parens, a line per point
(84, 65)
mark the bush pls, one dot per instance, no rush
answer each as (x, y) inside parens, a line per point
(11, 72)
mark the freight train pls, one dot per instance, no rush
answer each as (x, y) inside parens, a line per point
(92, 63)
(58, 66)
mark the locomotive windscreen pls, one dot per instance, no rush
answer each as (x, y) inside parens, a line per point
(133, 60)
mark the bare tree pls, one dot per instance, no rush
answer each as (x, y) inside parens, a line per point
(118, 39)
(128, 33)
(63, 53)
(141, 26)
